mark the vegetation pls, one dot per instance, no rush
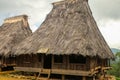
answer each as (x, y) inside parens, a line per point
(117, 78)
(116, 66)
(9, 75)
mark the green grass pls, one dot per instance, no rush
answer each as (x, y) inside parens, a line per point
(117, 78)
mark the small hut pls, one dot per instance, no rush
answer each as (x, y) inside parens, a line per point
(68, 44)
(13, 31)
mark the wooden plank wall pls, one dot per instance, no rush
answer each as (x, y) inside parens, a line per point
(60, 65)
(84, 67)
(93, 63)
(28, 61)
(70, 66)
(32, 61)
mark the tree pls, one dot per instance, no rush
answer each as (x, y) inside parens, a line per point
(116, 66)
(118, 55)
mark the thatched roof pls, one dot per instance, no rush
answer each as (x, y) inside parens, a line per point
(12, 32)
(68, 29)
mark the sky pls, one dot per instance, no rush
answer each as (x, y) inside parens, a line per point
(105, 12)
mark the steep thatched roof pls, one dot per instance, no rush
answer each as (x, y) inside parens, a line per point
(68, 29)
(12, 32)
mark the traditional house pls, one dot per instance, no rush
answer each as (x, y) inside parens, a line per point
(12, 32)
(68, 45)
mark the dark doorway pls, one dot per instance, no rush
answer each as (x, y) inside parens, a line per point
(47, 61)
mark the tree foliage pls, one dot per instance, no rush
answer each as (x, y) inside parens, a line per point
(116, 66)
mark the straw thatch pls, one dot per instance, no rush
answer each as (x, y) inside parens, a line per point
(12, 32)
(68, 29)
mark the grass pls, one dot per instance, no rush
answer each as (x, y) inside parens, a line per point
(14, 76)
(117, 78)
(3, 77)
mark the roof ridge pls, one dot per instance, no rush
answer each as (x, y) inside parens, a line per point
(14, 19)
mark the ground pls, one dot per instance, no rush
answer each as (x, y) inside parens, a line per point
(8, 75)
(11, 76)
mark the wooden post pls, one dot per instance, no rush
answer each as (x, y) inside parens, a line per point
(93, 77)
(84, 78)
(0, 69)
(109, 62)
(63, 77)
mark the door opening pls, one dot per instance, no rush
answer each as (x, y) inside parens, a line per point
(47, 61)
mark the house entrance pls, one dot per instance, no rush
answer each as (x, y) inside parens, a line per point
(47, 61)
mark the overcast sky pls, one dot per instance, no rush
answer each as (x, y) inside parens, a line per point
(105, 12)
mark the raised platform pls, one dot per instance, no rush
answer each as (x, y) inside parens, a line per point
(54, 71)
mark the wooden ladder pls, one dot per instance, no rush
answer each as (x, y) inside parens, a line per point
(42, 71)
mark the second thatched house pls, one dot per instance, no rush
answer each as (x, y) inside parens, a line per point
(13, 31)
(68, 44)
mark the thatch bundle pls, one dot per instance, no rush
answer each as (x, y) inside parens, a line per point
(12, 32)
(68, 29)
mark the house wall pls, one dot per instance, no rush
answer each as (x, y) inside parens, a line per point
(70, 66)
(95, 62)
(91, 63)
(84, 67)
(9, 60)
(60, 65)
(33, 61)
(105, 63)
(28, 61)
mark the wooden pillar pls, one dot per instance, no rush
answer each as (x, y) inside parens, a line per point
(0, 69)
(109, 62)
(84, 78)
(93, 77)
(63, 77)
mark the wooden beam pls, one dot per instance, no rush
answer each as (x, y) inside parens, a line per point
(94, 72)
(96, 68)
(106, 68)
(11, 64)
(27, 69)
(71, 72)
(54, 71)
